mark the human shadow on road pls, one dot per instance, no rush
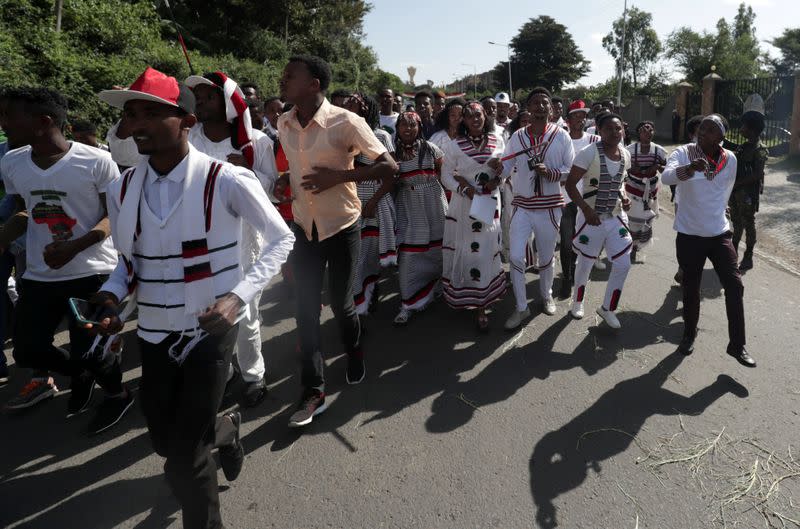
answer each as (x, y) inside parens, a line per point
(563, 457)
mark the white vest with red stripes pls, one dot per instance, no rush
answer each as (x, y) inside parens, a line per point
(166, 265)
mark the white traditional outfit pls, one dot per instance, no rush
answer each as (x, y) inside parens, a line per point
(602, 185)
(378, 240)
(643, 190)
(473, 275)
(258, 150)
(421, 206)
(537, 202)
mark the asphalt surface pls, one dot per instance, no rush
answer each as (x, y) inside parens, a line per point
(550, 426)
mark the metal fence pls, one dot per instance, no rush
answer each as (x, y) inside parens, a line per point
(777, 93)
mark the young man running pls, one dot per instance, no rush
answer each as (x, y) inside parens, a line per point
(541, 152)
(177, 221)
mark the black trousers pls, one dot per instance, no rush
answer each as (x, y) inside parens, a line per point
(568, 216)
(692, 253)
(308, 258)
(180, 404)
(41, 307)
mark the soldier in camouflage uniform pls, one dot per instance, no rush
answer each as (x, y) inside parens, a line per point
(752, 157)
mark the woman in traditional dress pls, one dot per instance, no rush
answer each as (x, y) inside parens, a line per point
(421, 206)
(647, 162)
(473, 275)
(378, 243)
(447, 123)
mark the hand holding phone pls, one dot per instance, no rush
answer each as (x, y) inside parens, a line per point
(86, 312)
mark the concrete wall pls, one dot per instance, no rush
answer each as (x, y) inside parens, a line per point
(641, 109)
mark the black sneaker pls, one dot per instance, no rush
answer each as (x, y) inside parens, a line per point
(747, 263)
(110, 411)
(312, 404)
(355, 367)
(742, 356)
(254, 393)
(82, 389)
(232, 456)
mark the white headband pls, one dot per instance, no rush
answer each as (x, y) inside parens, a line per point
(718, 121)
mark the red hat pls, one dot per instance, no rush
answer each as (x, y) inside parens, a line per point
(155, 86)
(578, 106)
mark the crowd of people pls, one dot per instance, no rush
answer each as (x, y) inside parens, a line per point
(205, 191)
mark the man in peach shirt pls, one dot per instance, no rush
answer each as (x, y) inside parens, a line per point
(320, 142)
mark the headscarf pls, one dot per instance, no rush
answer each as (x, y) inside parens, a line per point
(714, 118)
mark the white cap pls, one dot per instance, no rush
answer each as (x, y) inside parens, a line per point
(502, 97)
(754, 103)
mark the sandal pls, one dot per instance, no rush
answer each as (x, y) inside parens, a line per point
(402, 317)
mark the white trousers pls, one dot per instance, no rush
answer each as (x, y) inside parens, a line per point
(248, 344)
(613, 235)
(544, 224)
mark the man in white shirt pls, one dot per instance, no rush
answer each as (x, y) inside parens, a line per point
(388, 116)
(705, 173)
(222, 133)
(61, 188)
(503, 103)
(542, 154)
(176, 220)
(557, 115)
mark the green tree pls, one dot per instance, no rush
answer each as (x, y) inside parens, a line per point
(543, 53)
(642, 44)
(789, 45)
(733, 49)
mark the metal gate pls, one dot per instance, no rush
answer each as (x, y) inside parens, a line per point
(694, 104)
(777, 93)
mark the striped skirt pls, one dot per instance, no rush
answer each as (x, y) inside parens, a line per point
(420, 229)
(378, 245)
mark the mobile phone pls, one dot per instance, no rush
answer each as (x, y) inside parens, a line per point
(84, 311)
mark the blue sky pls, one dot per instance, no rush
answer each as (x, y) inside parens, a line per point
(439, 36)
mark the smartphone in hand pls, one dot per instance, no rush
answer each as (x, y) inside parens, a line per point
(85, 312)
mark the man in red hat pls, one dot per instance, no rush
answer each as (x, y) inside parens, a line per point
(576, 120)
(176, 220)
(224, 132)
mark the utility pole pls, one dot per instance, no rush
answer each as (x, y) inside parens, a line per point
(622, 54)
(508, 50)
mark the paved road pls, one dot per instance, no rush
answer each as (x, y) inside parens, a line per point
(455, 430)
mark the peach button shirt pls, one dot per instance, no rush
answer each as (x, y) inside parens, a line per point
(331, 139)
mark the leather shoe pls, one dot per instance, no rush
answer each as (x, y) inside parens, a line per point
(742, 357)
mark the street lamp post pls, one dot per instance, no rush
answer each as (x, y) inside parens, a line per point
(474, 79)
(510, 86)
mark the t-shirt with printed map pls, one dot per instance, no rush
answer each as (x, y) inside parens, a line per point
(63, 203)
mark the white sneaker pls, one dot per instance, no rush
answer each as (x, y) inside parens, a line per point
(610, 317)
(515, 320)
(577, 310)
(599, 264)
(549, 306)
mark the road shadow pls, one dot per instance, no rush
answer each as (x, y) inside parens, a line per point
(562, 458)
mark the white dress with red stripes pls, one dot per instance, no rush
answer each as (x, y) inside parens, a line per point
(378, 240)
(473, 275)
(420, 204)
(643, 191)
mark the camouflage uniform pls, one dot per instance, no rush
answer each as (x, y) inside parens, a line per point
(751, 158)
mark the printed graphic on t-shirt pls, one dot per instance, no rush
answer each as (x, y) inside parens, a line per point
(53, 215)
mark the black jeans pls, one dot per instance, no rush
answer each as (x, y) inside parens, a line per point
(180, 404)
(41, 307)
(568, 215)
(692, 252)
(340, 253)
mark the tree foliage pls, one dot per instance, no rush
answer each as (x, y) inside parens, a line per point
(733, 49)
(543, 53)
(642, 45)
(109, 42)
(789, 45)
